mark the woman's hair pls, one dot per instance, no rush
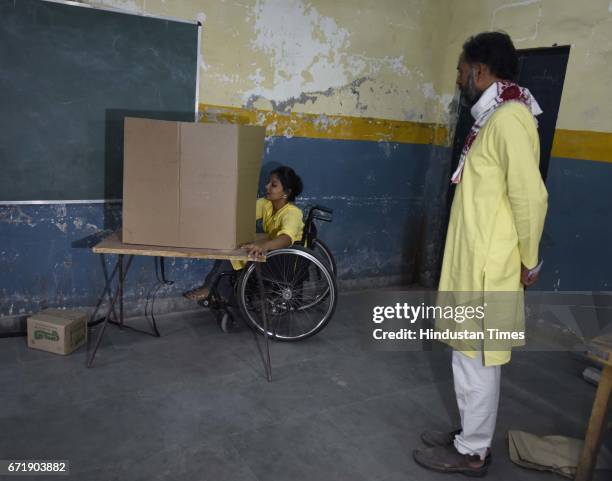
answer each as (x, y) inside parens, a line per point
(292, 184)
(495, 50)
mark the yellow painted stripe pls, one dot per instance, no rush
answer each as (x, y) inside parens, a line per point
(583, 144)
(573, 144)
(327, 126)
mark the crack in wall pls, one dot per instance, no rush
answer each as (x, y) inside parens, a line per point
(286, 106)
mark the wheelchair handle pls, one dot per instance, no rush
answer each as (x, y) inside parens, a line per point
(327, 210)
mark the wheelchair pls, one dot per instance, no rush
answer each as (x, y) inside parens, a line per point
(300, 291)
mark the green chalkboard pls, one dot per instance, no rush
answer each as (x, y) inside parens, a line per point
(68, 77)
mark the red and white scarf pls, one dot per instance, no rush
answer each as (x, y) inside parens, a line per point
(491, 99)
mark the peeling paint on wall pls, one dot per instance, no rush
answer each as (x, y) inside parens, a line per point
(309, 56)
(15, 215)
(126, 5)
(46, 258)
(525, 24)
(328, 126)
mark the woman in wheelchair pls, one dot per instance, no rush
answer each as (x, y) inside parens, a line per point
(282, 221)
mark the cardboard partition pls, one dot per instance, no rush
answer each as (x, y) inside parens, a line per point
(190, 184)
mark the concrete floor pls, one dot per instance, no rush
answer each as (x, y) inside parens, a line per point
(195, 405)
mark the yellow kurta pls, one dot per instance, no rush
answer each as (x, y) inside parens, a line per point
(287, 220)
(497, 216)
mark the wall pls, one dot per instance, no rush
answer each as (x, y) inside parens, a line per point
(357, 96)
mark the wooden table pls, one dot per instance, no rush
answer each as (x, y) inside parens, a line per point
(600, 350)
(113, 245)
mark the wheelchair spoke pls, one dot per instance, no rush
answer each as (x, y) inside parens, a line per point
(275, 285)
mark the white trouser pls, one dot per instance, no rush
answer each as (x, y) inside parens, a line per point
(477, 391)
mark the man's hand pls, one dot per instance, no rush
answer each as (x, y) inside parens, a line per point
(529, 278)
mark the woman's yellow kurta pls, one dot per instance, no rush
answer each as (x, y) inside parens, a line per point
(497, 217)
(287, 220)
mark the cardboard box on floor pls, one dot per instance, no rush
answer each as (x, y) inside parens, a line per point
(190, 184)
(60, 331)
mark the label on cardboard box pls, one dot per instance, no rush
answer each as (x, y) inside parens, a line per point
(60, 331)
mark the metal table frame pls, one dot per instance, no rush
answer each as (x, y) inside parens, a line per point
(113, 245)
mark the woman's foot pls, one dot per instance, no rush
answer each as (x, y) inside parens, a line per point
(198, 294)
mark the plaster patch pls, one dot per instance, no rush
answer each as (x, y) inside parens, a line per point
(286, 105)
(297, 38)
(201, 17)
(257, 77)
(428, 90)
(234, 78)
(323, 122)
(359, 64)
(511, 5)
(443, 101)
(308, 53)
(60, 210)
(385, 147)
(15, 215)
(514, 5)
(62, 226)
(127, 5)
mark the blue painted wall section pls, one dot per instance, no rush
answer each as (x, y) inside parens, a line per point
(46, 258)
(577, 242)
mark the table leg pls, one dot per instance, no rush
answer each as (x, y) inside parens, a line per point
(107, 288)
(121, 278)
(592, 440)
(264, 317)
(118, 292)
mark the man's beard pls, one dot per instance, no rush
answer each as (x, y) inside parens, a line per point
(470, 94)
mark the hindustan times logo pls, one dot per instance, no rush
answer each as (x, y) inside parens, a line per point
(412, 313)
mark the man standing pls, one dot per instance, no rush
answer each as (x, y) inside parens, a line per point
(496, 222)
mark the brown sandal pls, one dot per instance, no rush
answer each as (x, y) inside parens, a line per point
(198, 294)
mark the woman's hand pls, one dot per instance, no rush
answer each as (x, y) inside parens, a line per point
(261, 247)
(256, 249)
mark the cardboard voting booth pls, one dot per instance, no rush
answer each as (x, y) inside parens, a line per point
(190, 184)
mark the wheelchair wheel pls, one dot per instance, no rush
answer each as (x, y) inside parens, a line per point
(300, 294)
(323, 251)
